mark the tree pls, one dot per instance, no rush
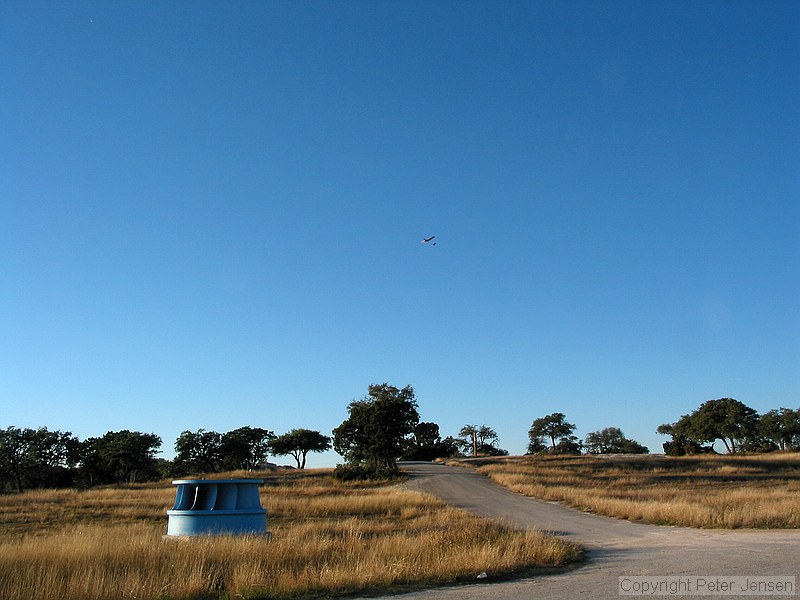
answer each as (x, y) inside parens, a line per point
(426, 435)
(629, 446)
(450, 447)
(682, 441)
(781, 427)
(486, 437)
(552, 427)
(35, 457)
(15, 451)
(377, 431)
(491, 450)
(479, 440)
(611, 440)
(427, 444)
(198, 451)
(298, 443)
(245, 448)
(536, 446)
(569, 444)
(725, 419)
(604, 441)
(470, 433)
(120, 456)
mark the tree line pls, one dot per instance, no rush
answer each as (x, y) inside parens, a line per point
(736, 425)
(556, 430)
(384, 427)
(380, 429)
(37, 458)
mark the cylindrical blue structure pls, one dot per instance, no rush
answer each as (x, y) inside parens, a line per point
(217, 507)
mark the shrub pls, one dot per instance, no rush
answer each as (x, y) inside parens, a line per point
(363, 473)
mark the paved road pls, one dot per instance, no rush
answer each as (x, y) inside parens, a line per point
(614, 548)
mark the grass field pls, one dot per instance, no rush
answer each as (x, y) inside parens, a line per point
(713, 491)
(328, 540)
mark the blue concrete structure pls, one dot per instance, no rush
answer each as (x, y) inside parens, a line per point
(217, 507)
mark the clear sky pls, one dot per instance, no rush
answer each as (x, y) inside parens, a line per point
(211, 212)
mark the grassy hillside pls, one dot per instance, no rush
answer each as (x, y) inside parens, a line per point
(718, 491)
(328, 540)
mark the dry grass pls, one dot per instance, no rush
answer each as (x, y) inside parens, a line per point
(756, 491)
(328, 540)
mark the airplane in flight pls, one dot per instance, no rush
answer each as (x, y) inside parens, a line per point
(426, 240)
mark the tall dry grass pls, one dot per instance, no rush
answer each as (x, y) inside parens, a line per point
(328, 539)
(720, 491)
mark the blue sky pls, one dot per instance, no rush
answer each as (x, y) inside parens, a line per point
(211, 212)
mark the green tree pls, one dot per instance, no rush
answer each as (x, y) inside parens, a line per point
(536, 446)
(377, 430)
(120, 456)
(487, 438)
(552, 427)
(245, 448)
(450, 447)
(469, 433)
(426, 435)
(35, 457)
(15, 454)
(426, 444)
(629, 446)
(682, 442)
(479, 440)
(781, 427)
(611, 440)
(724, 419)
(568, 444)
(298, 443)
(198, 451)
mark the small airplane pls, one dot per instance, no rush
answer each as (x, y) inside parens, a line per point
(426, 240)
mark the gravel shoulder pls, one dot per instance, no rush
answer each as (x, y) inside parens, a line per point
(615, 548)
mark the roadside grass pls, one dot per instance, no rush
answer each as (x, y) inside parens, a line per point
(710, 491)
(329, 539)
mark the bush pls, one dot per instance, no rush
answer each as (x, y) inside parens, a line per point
(362, 473)
(686, 448)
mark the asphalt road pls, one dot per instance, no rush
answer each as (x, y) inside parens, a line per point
(615, 548)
